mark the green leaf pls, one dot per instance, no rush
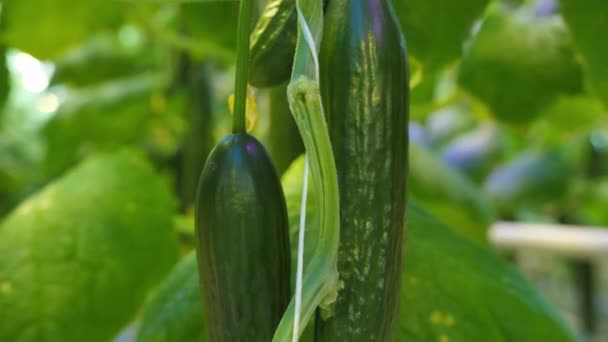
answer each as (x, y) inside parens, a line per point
(449, 195)
(77, 259)
(175, 313)
(47, 28)
(519, 64)
(436, 29)
(587, 22)
(457, 291)
(453, 290)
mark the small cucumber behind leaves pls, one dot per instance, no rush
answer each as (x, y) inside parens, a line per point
(273, 44)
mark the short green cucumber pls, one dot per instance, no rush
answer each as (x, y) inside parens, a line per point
(242, 242)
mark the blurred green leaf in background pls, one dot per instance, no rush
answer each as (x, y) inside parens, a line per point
(48, 28)
(517, 64)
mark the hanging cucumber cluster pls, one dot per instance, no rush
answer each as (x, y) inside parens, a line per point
(348, 93)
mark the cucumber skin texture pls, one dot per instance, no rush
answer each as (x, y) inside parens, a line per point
(365, 91)
(242, 242)
(273, 43)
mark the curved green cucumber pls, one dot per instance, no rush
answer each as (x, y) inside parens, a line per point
(242, 242)
(273, 43)
(365, 91)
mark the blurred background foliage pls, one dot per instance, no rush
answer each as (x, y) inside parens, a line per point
(509, 121)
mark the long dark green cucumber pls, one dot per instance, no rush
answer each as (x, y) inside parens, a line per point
(364, 86)
(243, 242)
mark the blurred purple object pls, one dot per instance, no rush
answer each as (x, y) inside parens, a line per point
(470, 149)
(469, 152)
(545, 8)
(418, 135)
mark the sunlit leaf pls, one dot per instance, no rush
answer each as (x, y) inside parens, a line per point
(77, 259)
(519, 64)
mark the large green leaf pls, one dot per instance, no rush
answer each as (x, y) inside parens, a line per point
(587, 22)
(517, 64)
(453, 290)
(77, 259)
(436, 29)
(457, 291)
(47, 28)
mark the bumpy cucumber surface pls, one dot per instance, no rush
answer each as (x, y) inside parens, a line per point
(243, 244)
(364, 83)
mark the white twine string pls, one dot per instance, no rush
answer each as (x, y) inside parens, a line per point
(300, 266)
(310, 40)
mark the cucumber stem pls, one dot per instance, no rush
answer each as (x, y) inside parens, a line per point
(320, 283)
(242, 67)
